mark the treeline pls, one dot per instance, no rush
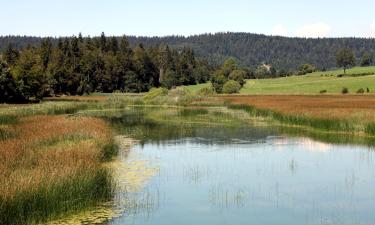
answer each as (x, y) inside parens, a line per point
(77, 65)
(251, 50)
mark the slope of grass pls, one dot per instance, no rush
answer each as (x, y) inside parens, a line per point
(309, 84)
(353, 71)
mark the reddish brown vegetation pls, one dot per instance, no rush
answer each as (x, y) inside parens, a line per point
(47, 149)
(328, 106)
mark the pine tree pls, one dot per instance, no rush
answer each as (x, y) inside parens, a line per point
(11, 54)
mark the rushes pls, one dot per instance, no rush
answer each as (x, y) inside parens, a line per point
(349, 114)
(53, 166)
(329, 124)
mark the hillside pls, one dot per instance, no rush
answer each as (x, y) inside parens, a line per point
(309, 84)
(250, 49)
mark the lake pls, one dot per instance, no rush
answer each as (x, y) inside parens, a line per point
(245, 174)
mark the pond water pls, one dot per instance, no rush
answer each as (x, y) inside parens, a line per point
(244, 175)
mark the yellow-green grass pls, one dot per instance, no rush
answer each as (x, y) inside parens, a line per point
(308, 84)
(350, 72)
(313, 83)
(53, 165)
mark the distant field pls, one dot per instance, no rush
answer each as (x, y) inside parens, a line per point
(309, 84)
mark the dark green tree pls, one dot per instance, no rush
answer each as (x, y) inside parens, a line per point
(113, 45)
(366, 59)
(228, 66)
(11, 54)
(170, 79)
(8, 89)
(345, 58)
(31, 79)
(45, 52)
(103, 42)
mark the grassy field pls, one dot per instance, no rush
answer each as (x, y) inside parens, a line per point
(309, 84)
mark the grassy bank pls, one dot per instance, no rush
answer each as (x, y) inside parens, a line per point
(52, 165)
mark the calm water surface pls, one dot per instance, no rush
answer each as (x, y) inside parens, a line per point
(222, 176)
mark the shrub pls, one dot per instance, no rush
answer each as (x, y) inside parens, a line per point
(361, 91)
(155, 92)
(239, 76)
(218, 80)
(206, 91)
(231, 87)
(323, 91)
(345, 90)
(367, 90)
(306, 68)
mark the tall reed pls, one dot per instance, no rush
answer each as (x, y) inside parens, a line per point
(53, 166)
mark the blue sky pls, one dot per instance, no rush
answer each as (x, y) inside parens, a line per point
(304, 18)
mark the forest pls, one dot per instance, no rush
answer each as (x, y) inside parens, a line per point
(250, 49)
(77, 65)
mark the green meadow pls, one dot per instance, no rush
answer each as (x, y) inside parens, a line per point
(313, 83)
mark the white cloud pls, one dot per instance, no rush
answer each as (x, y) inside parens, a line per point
(314, 30)
(279, 30)
(371, 33)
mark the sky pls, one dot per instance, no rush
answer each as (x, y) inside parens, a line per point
(293, 18)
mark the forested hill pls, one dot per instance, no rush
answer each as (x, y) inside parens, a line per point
(250, 49)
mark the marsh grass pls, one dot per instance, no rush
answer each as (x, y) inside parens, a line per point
(54, 166)
(301, 120)
(8, 119)
(370, 128)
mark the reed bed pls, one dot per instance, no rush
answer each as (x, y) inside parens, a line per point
(351, 114)
(53, 165)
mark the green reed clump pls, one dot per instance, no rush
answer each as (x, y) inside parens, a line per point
(370, 128)
(75, 193)
(109, 150)
(8, 119)
(5, 134)
(186, 112)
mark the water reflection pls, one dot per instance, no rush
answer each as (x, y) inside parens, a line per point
(216, 178)
(215, 168)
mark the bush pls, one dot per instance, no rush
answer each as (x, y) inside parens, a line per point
(345, 90)
(239, 76)
(367, 90)
(231, 87)
(155, 92)
(361, 91)
(218, 80)
(306, 68)
(206, 91)
(323, 91)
